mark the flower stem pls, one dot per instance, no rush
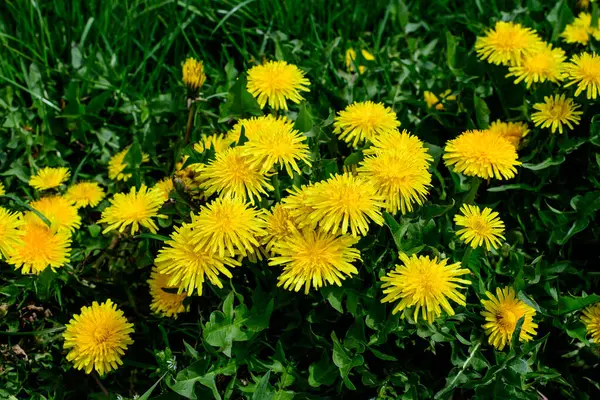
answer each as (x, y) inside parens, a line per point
(190, 121)
(95, 376)
(470, 197)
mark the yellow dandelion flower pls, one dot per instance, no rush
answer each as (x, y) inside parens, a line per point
(502, 312)
(116, 165)
(507, 43)
(2, 189)
(555, 112)
(485, 154)
(164, 187)
(60, 211)
(217, 141)
(511, 131)
(399, 180)
(193, 73)
(341, 204)
(314, 259)
(296, 203)
(279, 225)
(480, 228)
(351, 57)
(275, 82)
(576, 34)
(253, 127)
(426, 285)
(278, 144)
(40, 247)
(432, 100)
(228, 224)
(188, 265)
(543, 64)
(97, 338)
(591, 319)
(136, 208)
(231, 174)
(165, 303)
(10, 232)
(584, 70)
(361, 122)
(85, 194)
(48, 178)
(579, 31)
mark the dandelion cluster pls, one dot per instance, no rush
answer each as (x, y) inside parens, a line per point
(260, 191)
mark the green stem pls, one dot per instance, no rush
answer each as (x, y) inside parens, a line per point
(190, 122)
(470, 197)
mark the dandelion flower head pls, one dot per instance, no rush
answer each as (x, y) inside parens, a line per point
(424, 287)
(479, 228)
(342, 204)
(188, 265)
(275, 82)
(217, 141)
(542, 64)
(164, 187)
(511, 131)
(502, 312)
(433, 101)
(231, 174)
(193, 73)
(117, 164)
(584, 71)
(228, 225)
(278, 144)
(60, 211)
(360, 122)
(314, 259)
(398, 166)
(48, 178)
(591, 318)
(507, 43)
(279, 225)
(40, 247)
(555, 112)
(136, 209)
(85, 194)
(10, 232)
(97, 338)
(485, 154)
(165, 303)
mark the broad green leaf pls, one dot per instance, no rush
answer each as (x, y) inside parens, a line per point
(322, 372)
(345, 361)
(240, 101)
(304, 121)
(567, 304)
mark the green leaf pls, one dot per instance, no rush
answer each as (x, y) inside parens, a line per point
(354, 158)
(263, 391)
(334, 296)
(322, 372)
(304, 121)
(223, 328)
(559, 17)
(148, 392)
(567, 304)
(451, 45)
(482, 112)
(398, 230)
(595, 14)
(345, 361)
(240, 101)
(134, 156)
(544, 164)
(44, 284)
(27, 206)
